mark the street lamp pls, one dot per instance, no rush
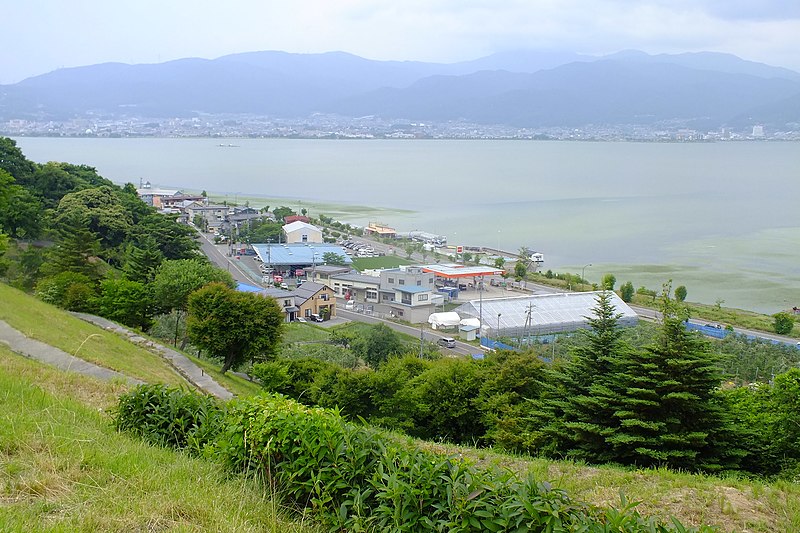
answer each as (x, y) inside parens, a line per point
(497, 337)
(583, 271)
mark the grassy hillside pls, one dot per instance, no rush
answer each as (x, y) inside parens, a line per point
(65, 469)
(58, 328)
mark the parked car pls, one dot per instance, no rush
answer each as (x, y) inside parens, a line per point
(316, 318)
(447, 342)
(350, 305)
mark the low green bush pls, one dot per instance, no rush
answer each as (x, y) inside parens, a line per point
(170, 417)
(358, 478)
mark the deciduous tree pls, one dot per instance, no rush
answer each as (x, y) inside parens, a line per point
(376, 345)
(125, 301)
(626, 292)
(235, 326)
(176, 280)
(681, 293)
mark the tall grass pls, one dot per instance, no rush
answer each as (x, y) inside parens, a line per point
(64, 468)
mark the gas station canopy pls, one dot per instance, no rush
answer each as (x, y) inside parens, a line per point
(456, 271)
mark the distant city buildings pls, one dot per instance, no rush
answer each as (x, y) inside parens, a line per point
(321, 126)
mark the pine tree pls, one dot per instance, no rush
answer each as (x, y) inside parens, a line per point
(667, 413)
(142, 259)
(77, 250)
(577, 410)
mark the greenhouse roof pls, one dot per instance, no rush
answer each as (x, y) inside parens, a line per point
(542, 314)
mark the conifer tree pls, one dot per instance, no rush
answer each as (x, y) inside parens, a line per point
(142, 259)
(667, 413)
(577, 410)
(77, 250)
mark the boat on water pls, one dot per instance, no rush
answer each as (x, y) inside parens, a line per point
(221, 145)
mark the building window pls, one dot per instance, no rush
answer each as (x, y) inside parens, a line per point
(287, 303)
(304, 238)
(422, 297)
(372, 295)
(419, 283)
(391, 280)
(324, 296)
(406, 299)
(401, 281)
(430, 280)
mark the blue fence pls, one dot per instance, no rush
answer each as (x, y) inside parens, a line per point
(495, 345)
(710, 331)
(718, 332)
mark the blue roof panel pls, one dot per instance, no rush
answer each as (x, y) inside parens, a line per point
(297, 254)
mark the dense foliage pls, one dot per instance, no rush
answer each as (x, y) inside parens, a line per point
(234, 326)
(647, 396)
(356, 478)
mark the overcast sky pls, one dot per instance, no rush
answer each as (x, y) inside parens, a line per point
(37, 36)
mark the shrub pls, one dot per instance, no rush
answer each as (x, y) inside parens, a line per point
(784, 323)
(626, 292)
(169, 417)
(69, 290)
(357, 478)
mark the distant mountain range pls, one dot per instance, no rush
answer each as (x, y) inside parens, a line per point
(522, 89)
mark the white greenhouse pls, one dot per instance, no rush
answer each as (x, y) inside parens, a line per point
(546, 314)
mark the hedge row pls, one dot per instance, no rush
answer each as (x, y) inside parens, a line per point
(358, 478)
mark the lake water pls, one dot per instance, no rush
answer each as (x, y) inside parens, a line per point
(721, 218)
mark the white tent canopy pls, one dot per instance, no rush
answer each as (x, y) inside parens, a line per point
(471, 322)
(444, 320)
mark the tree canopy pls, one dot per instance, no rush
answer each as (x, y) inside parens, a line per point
(175, 280)
(234, 326)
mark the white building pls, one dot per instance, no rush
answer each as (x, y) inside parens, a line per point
(301, 232)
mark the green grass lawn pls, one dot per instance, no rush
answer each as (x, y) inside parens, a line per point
(387, 261)
(308, 332)
(64, 468)
(58, 328)
(237, 385)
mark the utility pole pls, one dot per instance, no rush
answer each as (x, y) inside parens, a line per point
(421, 340)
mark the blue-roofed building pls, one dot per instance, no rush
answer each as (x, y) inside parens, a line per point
(286, 258)
(244, 287)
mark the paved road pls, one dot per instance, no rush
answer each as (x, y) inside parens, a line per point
(462, 348)
(220, 258)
